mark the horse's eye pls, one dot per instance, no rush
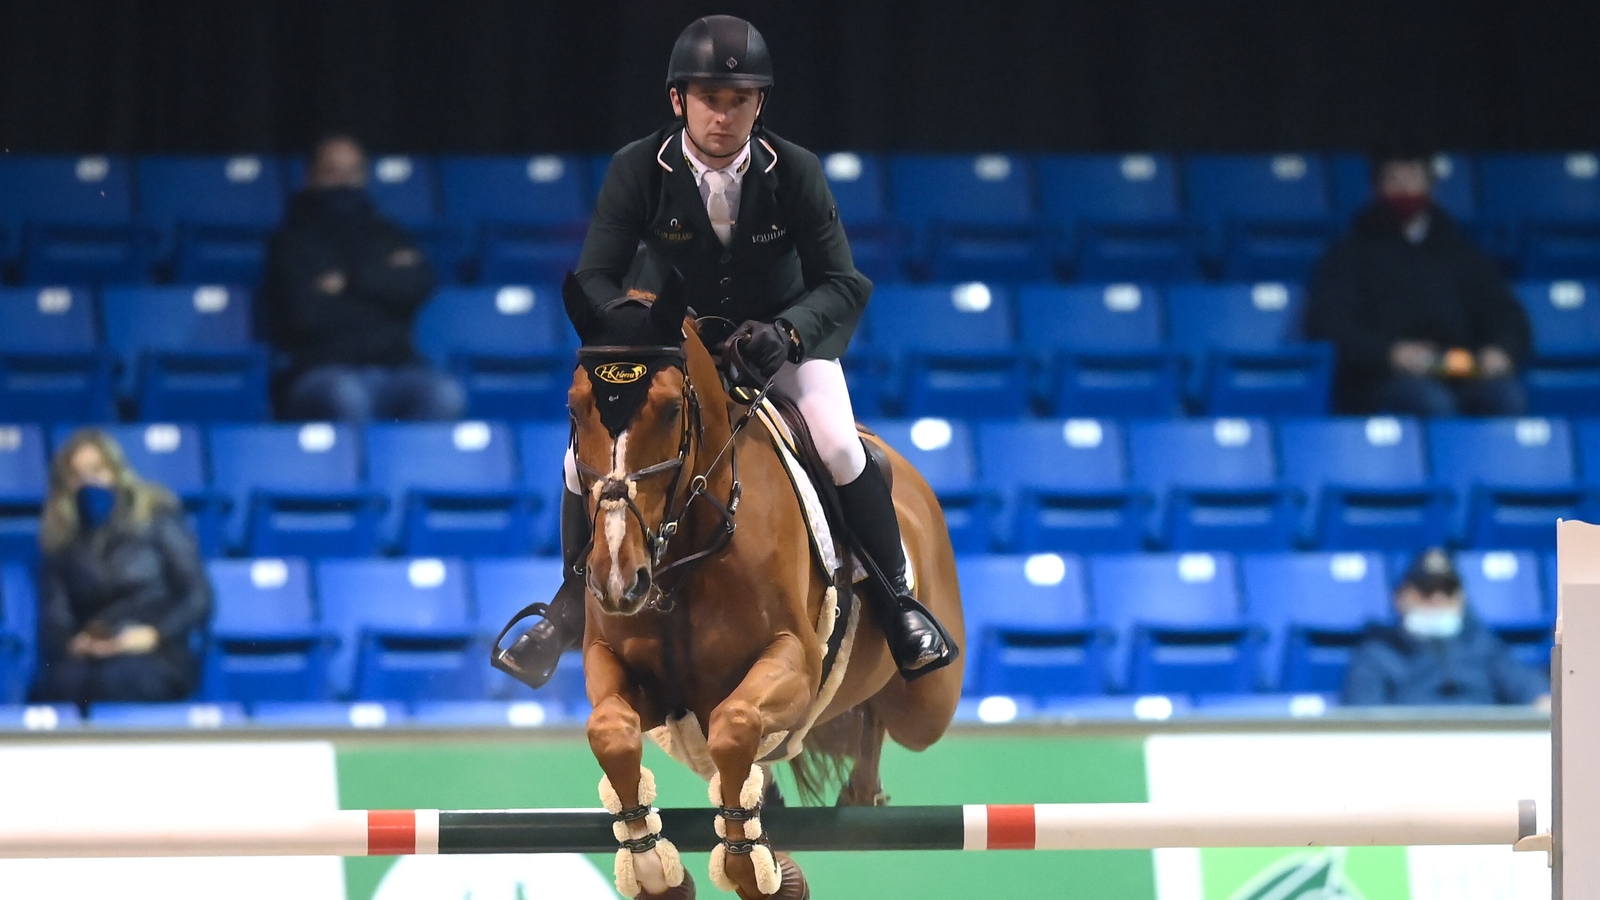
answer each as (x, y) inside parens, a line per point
(670, 411)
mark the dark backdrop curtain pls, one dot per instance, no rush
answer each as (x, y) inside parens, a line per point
(196, 76)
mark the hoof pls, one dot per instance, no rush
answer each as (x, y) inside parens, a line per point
(683, 891)
(792, 887)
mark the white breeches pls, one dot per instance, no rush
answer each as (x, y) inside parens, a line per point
(817, 387)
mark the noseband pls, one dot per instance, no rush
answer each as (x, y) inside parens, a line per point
(610, 492)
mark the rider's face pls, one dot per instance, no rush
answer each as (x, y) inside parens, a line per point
(720, 118)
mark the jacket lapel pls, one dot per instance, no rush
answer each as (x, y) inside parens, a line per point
(683, 198)
(754, 190)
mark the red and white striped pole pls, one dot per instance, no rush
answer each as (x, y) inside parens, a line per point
(1044, 826)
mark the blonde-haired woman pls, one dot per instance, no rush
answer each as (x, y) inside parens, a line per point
(123, 590)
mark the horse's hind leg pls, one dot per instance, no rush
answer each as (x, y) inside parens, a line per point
(864, 787)
(771, 698)
(917, 713)
(648, 866)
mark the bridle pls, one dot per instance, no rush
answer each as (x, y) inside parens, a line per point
(607, 492)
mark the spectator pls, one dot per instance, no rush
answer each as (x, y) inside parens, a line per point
(342, 291)
(123, 590)
(1439, 653)
(1421, 320)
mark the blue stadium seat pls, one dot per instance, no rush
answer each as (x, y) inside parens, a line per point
(1265, 706)
(944, 453)
(173, 456)
(1586, 433)
(1103, 347)
(1064, 483)
(166, 716)
(1514, 478)
(189, 352)
(452, 488)
(1215, 482)
(973, 216)
(1178, 623)
(1564, 376)
(877, 240)
(19, 630)
(485, 714)
(1315, 608)
(1366, 482)
(511, 347)
(406, 629)
(1548, 207)
(71, 220)
(297, 490)
(1504, 591)
(1030, 630)
(53, 717)
(290, 714)
(542, 449)
(406, 189)
(1243, 343)
(266, 643)
(1118, 217)
(1267, 217)
(214, 213)
(51, 365)
(24, 477)
(1455, 185)
(528, 214)
(950, 350)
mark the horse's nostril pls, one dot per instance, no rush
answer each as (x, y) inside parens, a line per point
(641, 584)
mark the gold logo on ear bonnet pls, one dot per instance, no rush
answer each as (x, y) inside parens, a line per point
(620, 372)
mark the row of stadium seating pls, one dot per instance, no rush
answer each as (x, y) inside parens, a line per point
(1039, 626)
(429, 715)
(969, 350)
(986, 217)
(1079, 485)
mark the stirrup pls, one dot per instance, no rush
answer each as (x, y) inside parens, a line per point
(521, 660)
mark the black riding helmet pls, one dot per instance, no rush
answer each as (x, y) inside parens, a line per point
(723, 50)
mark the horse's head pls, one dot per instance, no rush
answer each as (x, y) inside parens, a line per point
(634, 414)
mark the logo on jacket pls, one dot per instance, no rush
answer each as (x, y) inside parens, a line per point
(620, 372)
(770, 236)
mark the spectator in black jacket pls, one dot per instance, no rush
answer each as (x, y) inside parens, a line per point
(1439, 653)
(123, 592)
(342, 291)
(1421, 320)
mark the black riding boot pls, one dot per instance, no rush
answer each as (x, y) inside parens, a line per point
(917, 642)
(533, 656)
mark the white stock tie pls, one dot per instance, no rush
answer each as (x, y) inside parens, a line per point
(717, 206)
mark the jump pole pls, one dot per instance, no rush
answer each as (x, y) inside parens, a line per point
(1043, 826)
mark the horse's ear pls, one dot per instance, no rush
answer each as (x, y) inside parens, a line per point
(672, 303)
(579, 310)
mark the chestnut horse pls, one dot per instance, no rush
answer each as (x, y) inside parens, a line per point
(704, 599)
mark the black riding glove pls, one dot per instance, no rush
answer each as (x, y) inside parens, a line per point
(761, 348)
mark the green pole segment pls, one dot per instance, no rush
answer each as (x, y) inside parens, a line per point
(792, 828)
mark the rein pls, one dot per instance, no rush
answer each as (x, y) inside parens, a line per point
(607, 490)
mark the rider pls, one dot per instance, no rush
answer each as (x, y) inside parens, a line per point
(749, 221)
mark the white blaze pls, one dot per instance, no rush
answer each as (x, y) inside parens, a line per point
(617, 516)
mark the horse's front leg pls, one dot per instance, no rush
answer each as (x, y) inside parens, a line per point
(647, 866)
(772, 698)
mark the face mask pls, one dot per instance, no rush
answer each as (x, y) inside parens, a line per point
(1433, 623)
(1408, 206)
(95, 504)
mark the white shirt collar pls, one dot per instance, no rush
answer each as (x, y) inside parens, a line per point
(734, 169)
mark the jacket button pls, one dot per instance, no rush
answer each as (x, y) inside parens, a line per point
(727, 280)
